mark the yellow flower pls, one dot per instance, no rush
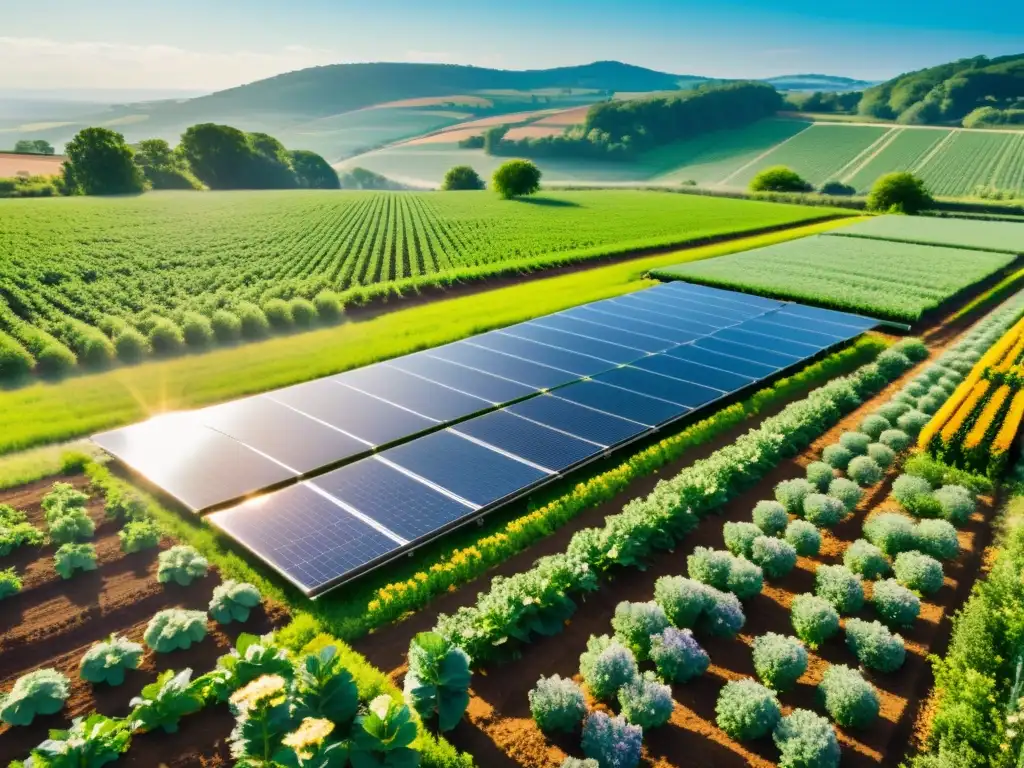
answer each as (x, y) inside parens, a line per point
(269, 690)
(310, 734)
(988, 415)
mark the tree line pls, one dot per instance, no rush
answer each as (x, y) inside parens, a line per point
(619, 130)
(33, 147)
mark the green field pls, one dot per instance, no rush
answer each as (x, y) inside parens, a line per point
(1003, 236)
(906, 150)
(899, 281)
(973, 158)
(181, 260)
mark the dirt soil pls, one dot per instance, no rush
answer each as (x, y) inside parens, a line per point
(499, 731)
(53, 622)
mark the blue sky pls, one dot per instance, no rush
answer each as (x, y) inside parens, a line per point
(210, 44)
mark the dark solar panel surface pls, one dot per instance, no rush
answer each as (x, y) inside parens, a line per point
(724, 361)
(783, 346)
(603, 350)
(767, 357)
(514, 368)
(667, 365)
(544, 446)
(433, 400)
(629, 405)
(483, 385)
(655, 385)
(581, 365)
(596, 426)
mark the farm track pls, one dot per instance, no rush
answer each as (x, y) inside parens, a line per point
(500, 732)
(52, 622)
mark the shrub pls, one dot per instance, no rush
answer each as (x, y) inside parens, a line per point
(611, 741)
(779, 178)
(303, 312)
(329, 306)
(130, 345)
(181, 564)
(233, 601)
(68, 525)
(775, 556)
(864, 471)
(814, 619)
(682, 600)
(42, 692)
(840, 587)
(937, 538)
(918, 572)
(746, 710)
(739, 537)
(646, 702)
(913, 349)
(226, 326)
(912, 422)
(891, 411)
(634, 623)
(557, 705)
(905, 487)
(74, 557)
(516, 178)
(823, 511)
(899, 192)
(893, 363)
(874, 645)
(836, 456)
(710, 566)
(957, 504)
(19, 535)
(866, 559)
(677, 655)
(820, 474)
(890, 532)
(791, 494)
(805, 739)
(254, 324)
(196, 330)
(779, 660)
(896, 439)
(606, 666)
(855, 442)
(278, 314)
(771, 517)
(881, 454)
(53, 359)
(10, 583)
(805, 538)
(138, 535)
(874, 425)
(896, 604)
(724, 616)
(847, 491)
(848, 698)
(745, 579)
(107, 661)
(15, 360)
(175, 629)
(165, 338)
(930, 403)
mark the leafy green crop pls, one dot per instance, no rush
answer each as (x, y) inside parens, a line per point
(181, 565)
(175, 629)
(91, 742)
(42, 692)
(437, 684)
(10, 583)
(233, 601)
(163, 703)
(107, 661)
(74, 557)
(138, 535)
(384, 736)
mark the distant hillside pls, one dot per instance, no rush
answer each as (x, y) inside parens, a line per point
(951, 92)
(817, 83)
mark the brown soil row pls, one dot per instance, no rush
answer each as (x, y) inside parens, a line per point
(53, 622)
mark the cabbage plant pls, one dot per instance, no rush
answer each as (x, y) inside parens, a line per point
(163, 703)
(384, 736)
(437, 683)
(42, 692)
(181, 565)
(107, 661)
(175, 629)
(233, 601)
(90, 742)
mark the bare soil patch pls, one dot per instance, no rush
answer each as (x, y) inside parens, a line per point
(34, 165)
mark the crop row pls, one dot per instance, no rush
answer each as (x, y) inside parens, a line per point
(970, 159)
(903, 153)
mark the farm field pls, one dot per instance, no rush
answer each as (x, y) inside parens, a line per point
(34, 165)
(161, 264)
(46, 412)
(1001, 236)
(971, 159)
(904, 152)
(899, 281)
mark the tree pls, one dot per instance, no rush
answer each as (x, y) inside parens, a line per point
(837, 188)
(899, 193)
(312, 171)
(779, 178)
(516, 178)
(164, 167)
(99, 162)
(219, 155)
(34, 147)
(462, 177)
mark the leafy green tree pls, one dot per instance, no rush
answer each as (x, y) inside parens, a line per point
(34, 147)
(99, 162)
(516, 178)
(220, 156)
(312, 171)
(461, 177)
(272, 167)
(164, 167)
(779, 178)
(899, 193)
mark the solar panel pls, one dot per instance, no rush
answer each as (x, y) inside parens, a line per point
(654, 385)
(603, 350)
(722, 295)
(581, 365)
(622, 402)
(471, 471)
(745, 352)
(402, 504)
(855, 322)
(794, 349)
(617, 317)
(196, 465)
(596, 426)
(784, 318)
(309, 539)
(435, 401)
(514, 368)
(690, 371)
(712, 317)
(293, 439)
(723, 361)
(766, 326)
(483, 385)
(537, 444)
(668, 318)
(602, 332)
(356, 413)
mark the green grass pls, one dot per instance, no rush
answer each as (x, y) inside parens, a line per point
(1001, 236)
(903, 153)
(35, 464)
(899, 281)
(48, 412)
(970, 159)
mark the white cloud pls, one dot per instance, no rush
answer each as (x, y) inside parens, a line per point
(35, 62)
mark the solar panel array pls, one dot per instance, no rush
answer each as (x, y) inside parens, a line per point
(381, 459)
